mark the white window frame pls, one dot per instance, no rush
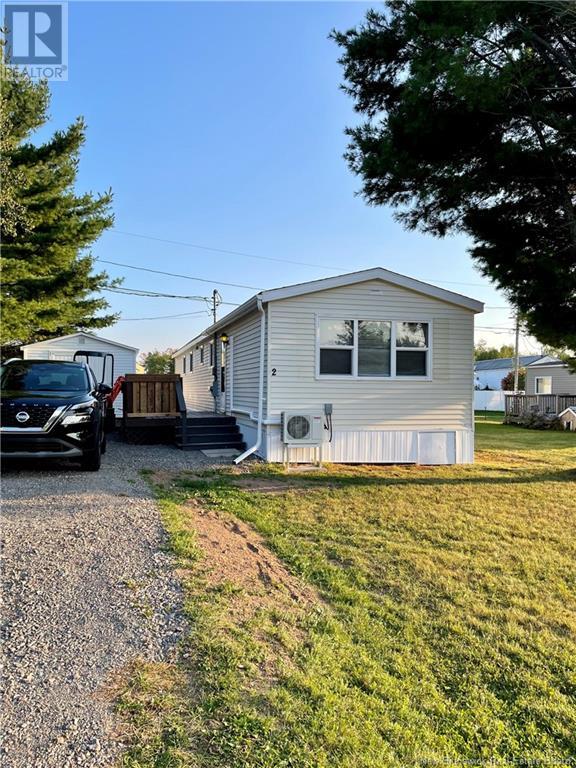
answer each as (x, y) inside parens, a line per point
(202, 361)
(191, 360)
(184, 363)
(393, 349)
(542, 378)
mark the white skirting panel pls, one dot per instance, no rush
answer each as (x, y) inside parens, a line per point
(465, 446)
(379, 447)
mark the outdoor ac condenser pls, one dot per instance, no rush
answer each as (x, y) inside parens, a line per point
(302, 428)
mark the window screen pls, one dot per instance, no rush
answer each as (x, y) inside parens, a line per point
(374, 337)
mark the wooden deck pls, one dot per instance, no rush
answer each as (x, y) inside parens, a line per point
(155, 412)
(153, 406)
(516, 405)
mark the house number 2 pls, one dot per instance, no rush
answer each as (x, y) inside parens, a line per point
(273, 371)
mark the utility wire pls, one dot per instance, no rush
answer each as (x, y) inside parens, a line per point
(163, 317)
(223, 250)
(158, 295)
(184, 277)
(244, 254)
(152, 294)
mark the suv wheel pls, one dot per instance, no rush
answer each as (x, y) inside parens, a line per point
(92, 460)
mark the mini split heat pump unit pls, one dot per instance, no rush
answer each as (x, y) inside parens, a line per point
(301, 428)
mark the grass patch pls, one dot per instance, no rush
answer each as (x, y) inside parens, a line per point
(445, 626)
(489, 416)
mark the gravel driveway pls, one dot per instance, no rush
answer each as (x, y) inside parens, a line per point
(86, 590)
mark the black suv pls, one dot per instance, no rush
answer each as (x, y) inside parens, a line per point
(52, 409)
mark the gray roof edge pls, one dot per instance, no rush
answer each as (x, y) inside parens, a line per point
(547, 361)
(313, 286)
(501, 363)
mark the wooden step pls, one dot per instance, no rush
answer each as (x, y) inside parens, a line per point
(200, 421)
(239, 445)
(205, 429)
(209, 437)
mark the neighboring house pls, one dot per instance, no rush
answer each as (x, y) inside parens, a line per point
(64, 347)
(550, 376)
(390, 355)
(488, 374)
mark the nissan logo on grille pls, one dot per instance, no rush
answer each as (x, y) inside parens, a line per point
(22, 417)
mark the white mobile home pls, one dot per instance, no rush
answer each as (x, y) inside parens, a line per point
(376, 366)
(488, 374)
(64, 347)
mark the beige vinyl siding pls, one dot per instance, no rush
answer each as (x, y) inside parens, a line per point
(563, 382)
(444, 402)
(243, 365)
(196, 383)
(64, 349)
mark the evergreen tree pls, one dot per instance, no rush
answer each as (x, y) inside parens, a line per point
(48, 285)
(470, 126)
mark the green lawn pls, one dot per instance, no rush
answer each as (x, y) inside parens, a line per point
(444, 630)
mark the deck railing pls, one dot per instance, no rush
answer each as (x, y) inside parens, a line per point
(152, 395)
(516, 405)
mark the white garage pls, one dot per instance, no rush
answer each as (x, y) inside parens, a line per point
(64, 347)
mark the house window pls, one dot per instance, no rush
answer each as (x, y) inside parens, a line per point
(336, 339)
(543, 385)
(184, 364)
(373, 348)
(411, 349)
(191, 361)
(202, 355)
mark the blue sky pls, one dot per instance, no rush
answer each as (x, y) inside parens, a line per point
(222, 124)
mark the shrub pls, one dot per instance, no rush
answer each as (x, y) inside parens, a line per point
(531, 420)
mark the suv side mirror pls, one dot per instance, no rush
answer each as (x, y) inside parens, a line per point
(104, 389)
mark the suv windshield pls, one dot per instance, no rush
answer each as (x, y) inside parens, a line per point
(44, 377)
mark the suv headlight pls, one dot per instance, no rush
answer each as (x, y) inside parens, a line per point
(81, 413)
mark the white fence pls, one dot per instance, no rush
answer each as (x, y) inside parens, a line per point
(490, 400)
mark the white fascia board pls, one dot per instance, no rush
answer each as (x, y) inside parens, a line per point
(378, 273)
(91, 336)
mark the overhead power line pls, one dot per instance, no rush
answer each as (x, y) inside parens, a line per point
(164, 317)
(152, 294)
(158, 295)
(184, 277)
(247, 255)
(243, 254)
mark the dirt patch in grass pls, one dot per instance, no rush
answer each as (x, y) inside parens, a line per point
(269, 484)
(236, 561)
(162, 477)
